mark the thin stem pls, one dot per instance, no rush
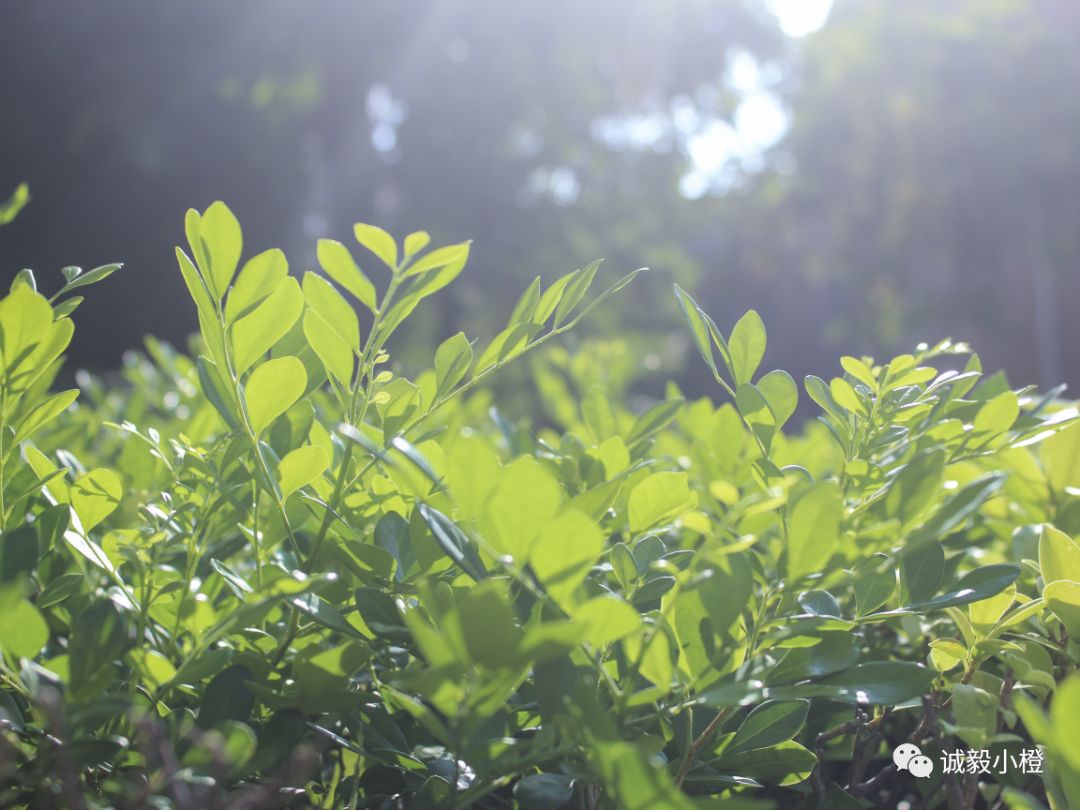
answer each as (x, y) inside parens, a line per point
(698, 744)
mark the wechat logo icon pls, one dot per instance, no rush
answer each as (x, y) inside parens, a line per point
(908, 757)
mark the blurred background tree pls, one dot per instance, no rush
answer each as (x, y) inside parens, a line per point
(901, 173)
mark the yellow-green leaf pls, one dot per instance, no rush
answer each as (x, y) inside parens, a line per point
(272, 389)
(338, 263)
(329, 346)
(44, 413)
(1059, 556)
(223, 243)
(998, 414)
(300, 467)
(23, 631)
(440, 257)
(565, 551)
(95, 495)
(260, 277)
(321, 296)
(660, 497)
(813, 529)
(378, 242)
(256, 333)
(452, 361)
(607, 619)
(525, 499)
(746, 346)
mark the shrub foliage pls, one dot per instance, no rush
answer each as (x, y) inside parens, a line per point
(279, 573)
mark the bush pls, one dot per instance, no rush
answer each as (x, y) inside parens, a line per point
(282, 574)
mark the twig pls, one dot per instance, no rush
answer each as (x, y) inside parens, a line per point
(697, 745)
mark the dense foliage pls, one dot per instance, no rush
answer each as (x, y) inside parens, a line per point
(281, 573)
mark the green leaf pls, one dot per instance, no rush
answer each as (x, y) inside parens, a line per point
(607, 619)
(920, 573)
(873, 683)
(836, 651)
(238, 584)
(317, 609)
(813, 529)
(1061, 456)
(1063, 599)
(44, 413)
(985, 613)
(26, 322)
(551, 298)
(820, 603)
(154, 667)
(982, 583)
(946, 653)
(860, 371)
(60, 589)
(272, 389)
(624, 565)
(223, 243)
(23, 631)
(452, 361)
(196, 286)
(787, 763)
(203, 665)
(564, 552)
(213, 388)
(781, 393)
(1059, 555)
(509, 343)
(378, 242)
(90, 277)
(491, 636)
(577, 286)
(261, 276)
(819, 391)
(1063, 714)
(958, 508)
(916, 486)
(337, 262)
(697, 324)
(380, 613)
(64, 308)
(227, 697)
(844, 396)
(98, 637)
(654, 420)
(543, 791)
(328, 345)
(659, 498)
(976, 713)
(14, 204)
(415, 242)
(746, 347)
(300, 467)
(770, 723)
(998, 414)
(449, 256)
(453, 541)
(757, 413)
(526, 305)
(95, 495)
(872, 584)
(19, 552)
(525, 499)
(320, 295)
(257, 332)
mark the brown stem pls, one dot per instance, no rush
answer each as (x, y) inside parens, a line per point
(697, 745)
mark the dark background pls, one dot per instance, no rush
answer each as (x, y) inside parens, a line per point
(924, 180)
